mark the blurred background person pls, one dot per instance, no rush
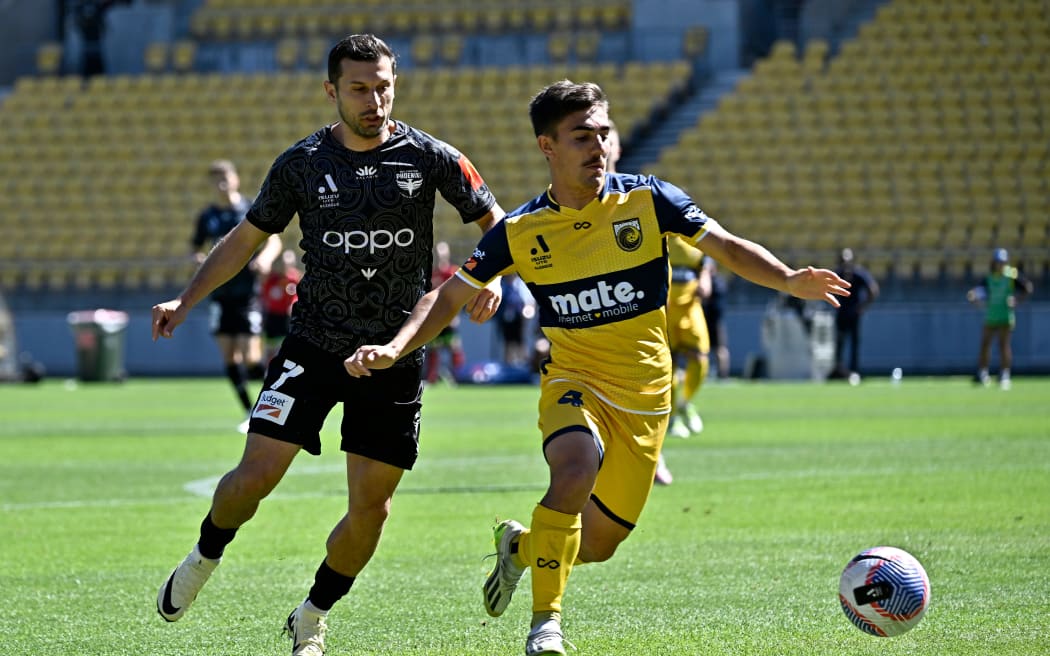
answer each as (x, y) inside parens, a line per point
(445, 354)
(234, 317)
(278, 294)
(713, 303)
(516, 312)
(687, 334)
(864, 291)
(90, 19)
(998, 295)
(8, 345)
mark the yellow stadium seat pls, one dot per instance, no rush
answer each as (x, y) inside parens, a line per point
(183, 56)
(424, 49)
(559, 46)
(156, 57)
(614, 14)
(587, 44)
(49, 58)
(287, 53)
(316, 52)
(451, 49)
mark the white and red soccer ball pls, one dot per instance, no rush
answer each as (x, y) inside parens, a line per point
(884, 591)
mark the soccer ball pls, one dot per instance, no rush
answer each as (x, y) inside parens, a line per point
(884, 591)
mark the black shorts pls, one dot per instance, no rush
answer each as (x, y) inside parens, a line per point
(512, 330)
(234, 316)
(380, 413)
(275, 326)
(715, 327)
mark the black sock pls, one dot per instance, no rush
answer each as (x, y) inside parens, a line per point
(237, 375)
(214, 539)
(329, 587)
(257, 371)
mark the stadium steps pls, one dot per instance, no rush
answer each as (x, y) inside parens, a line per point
(836, 21)
(681, 118)
(863, 12)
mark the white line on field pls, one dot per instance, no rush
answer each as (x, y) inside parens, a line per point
(204, 487)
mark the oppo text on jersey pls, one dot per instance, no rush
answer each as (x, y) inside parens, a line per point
(372, 240)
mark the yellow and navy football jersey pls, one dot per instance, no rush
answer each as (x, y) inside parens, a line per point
(600, 278)
(685, 262)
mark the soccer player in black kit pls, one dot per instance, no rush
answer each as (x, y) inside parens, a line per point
(234, 318)
(364, 190)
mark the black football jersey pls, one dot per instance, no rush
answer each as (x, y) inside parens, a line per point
(367, 220)
(212, 225)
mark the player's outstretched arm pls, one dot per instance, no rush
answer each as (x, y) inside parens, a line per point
(227, 258)
(754, 262)
(485, 303)
(432, 313)
(817, 285)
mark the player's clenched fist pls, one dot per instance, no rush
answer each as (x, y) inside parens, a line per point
(368, 357)
(166, 316)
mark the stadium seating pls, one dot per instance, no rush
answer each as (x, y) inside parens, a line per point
(922, 143)
(109, 201)
(246, 20)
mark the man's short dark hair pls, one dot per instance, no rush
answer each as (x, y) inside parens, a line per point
(358, 47)
(550, 106)
(221, 167)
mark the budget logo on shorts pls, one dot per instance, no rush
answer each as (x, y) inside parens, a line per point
(273, 406)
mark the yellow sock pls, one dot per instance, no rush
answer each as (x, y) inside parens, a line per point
(520, 557)
(695, 373)
(543, 616)
(550, 549)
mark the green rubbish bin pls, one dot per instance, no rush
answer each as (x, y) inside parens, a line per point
(99, 339)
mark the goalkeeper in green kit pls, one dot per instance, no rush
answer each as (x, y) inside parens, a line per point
(998, 293)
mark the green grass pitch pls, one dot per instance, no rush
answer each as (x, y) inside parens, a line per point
(102, 488)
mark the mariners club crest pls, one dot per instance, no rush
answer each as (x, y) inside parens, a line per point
(628, 234)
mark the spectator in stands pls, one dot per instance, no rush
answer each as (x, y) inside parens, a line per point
(864, 290)
(278, 294)
(448, 342)
(364, 190)
(714, 300)
(235, 320)
(998, 294)
(90, 19)
(591, 249)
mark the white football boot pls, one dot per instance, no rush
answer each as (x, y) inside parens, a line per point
(546, 638)
(306, 627)
(182, 586)
(504, 577)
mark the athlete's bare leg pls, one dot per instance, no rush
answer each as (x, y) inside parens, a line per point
(354, 539)
(262, 466)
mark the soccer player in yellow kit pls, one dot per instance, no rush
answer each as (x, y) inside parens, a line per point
(687, 329)
(591, 249)
(678, 313)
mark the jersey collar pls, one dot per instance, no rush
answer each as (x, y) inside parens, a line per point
(549, 201)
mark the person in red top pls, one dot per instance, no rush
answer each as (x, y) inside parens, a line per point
(277, 294)
(448, 339)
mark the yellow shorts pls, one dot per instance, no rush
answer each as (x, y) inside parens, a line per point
(686, 327)
(630, 444)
